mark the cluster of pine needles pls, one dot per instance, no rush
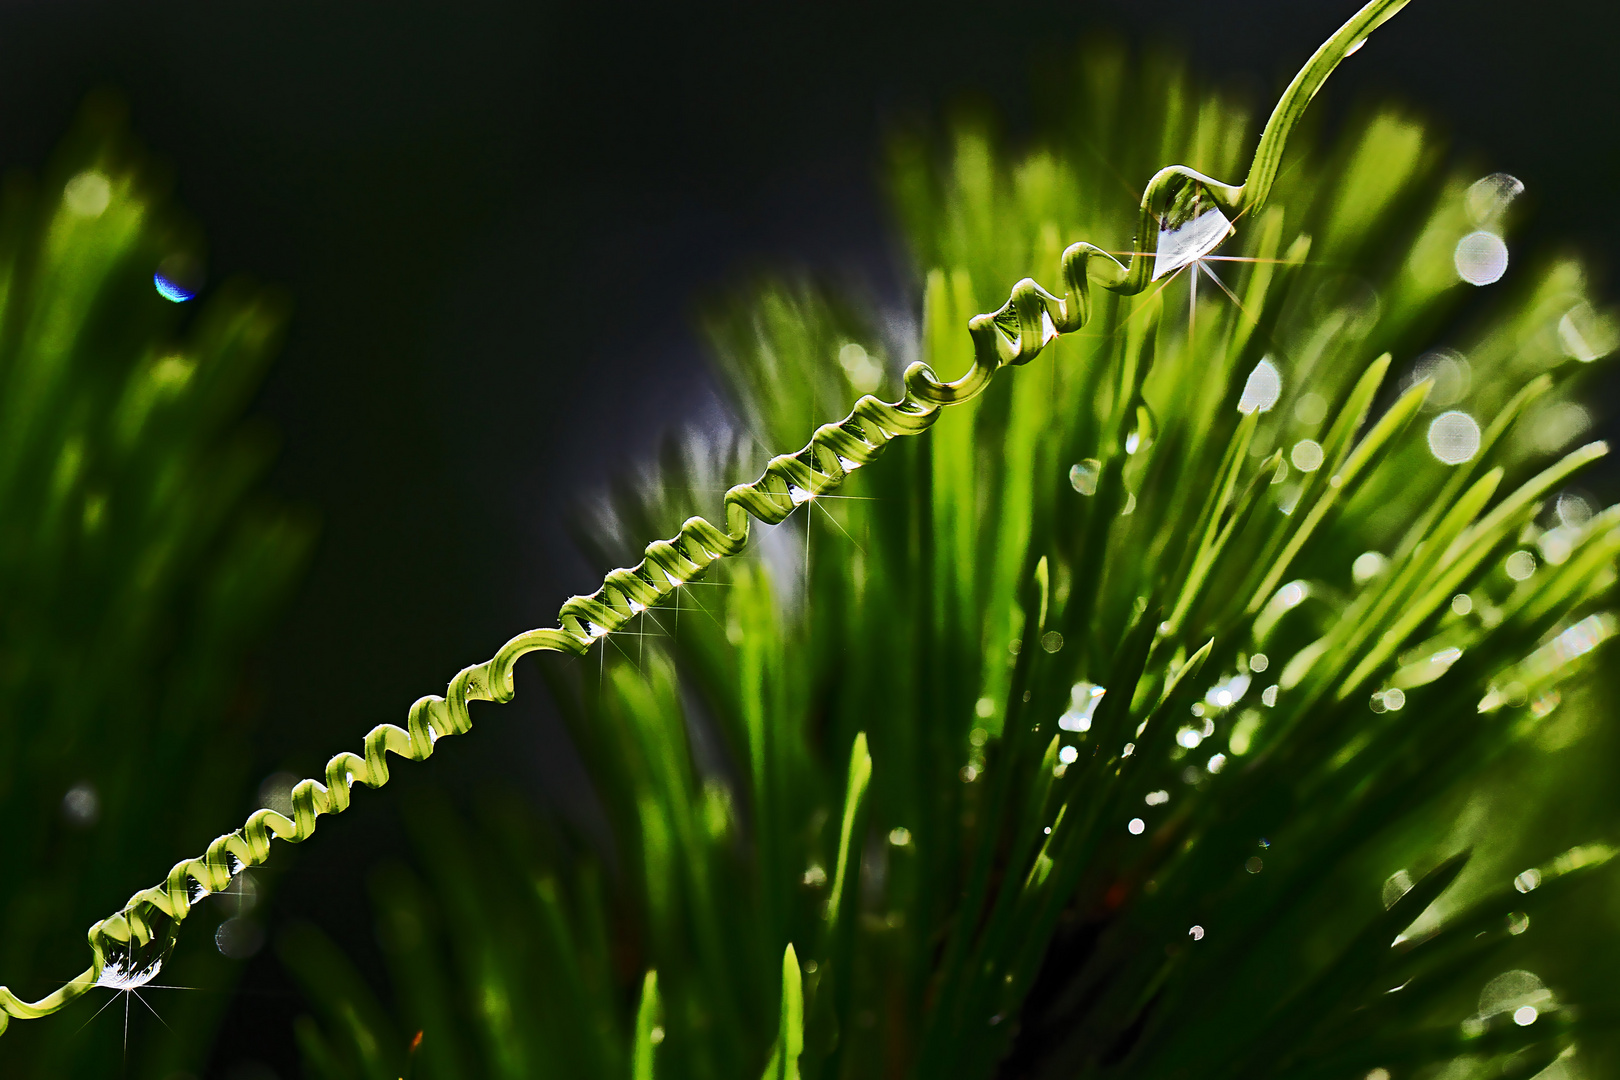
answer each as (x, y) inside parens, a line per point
(1212, 698)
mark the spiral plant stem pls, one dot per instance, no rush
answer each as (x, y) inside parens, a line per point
(1184, 215)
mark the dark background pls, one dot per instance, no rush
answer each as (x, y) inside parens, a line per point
(494, 222)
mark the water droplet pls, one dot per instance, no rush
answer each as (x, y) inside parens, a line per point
(1462, 604)
(1254, 864)
(1268, 696)
(1068, 755)
(1156, 798)
(81, 806)
(1051, 641)
(1520, 565)
(1084, 698)
(900, 836)
(130, 965)
(984, 708)
(1454, 437)
(1196, 933)
(1517, 923)
(1529, 881)
(1489, 196)
(1083, 476)
(178, 278)
(1306, 455)
(814, 876)
(1215, 764)
(1481, 258)
(1573, 510)
(1136, 827)
(1368, 565)
(1226, 693)
(171, 291)
(1263, 388)
(1192, 227)
(1259, 662)
(239, 937)
(1517, 993)
(968, 774)
(87, 194)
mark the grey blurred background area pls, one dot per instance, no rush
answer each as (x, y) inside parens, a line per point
(495, 222)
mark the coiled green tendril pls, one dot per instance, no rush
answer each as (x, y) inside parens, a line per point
(1184, 215)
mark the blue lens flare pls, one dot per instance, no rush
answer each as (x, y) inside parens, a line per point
(171, 290)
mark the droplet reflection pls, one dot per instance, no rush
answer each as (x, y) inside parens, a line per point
(81, 806)
(1520, 565)
(1084, 698)
(1083, 476)
(1489, 196)
(1528, 881)
(1481, 258)
(1454, 437)
(172, 291)
(1262, 389)
(1306, 455)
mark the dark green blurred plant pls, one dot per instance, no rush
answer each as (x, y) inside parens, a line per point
(138, 568)
(1118, 725)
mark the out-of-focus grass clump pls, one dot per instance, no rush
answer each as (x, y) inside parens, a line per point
(138, 568)
(1118, 725)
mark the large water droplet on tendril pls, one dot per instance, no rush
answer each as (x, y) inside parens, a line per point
(1191, 227)
(130, 965)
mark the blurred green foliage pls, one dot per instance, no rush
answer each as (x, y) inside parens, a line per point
(1334, 665)
(139, 566)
